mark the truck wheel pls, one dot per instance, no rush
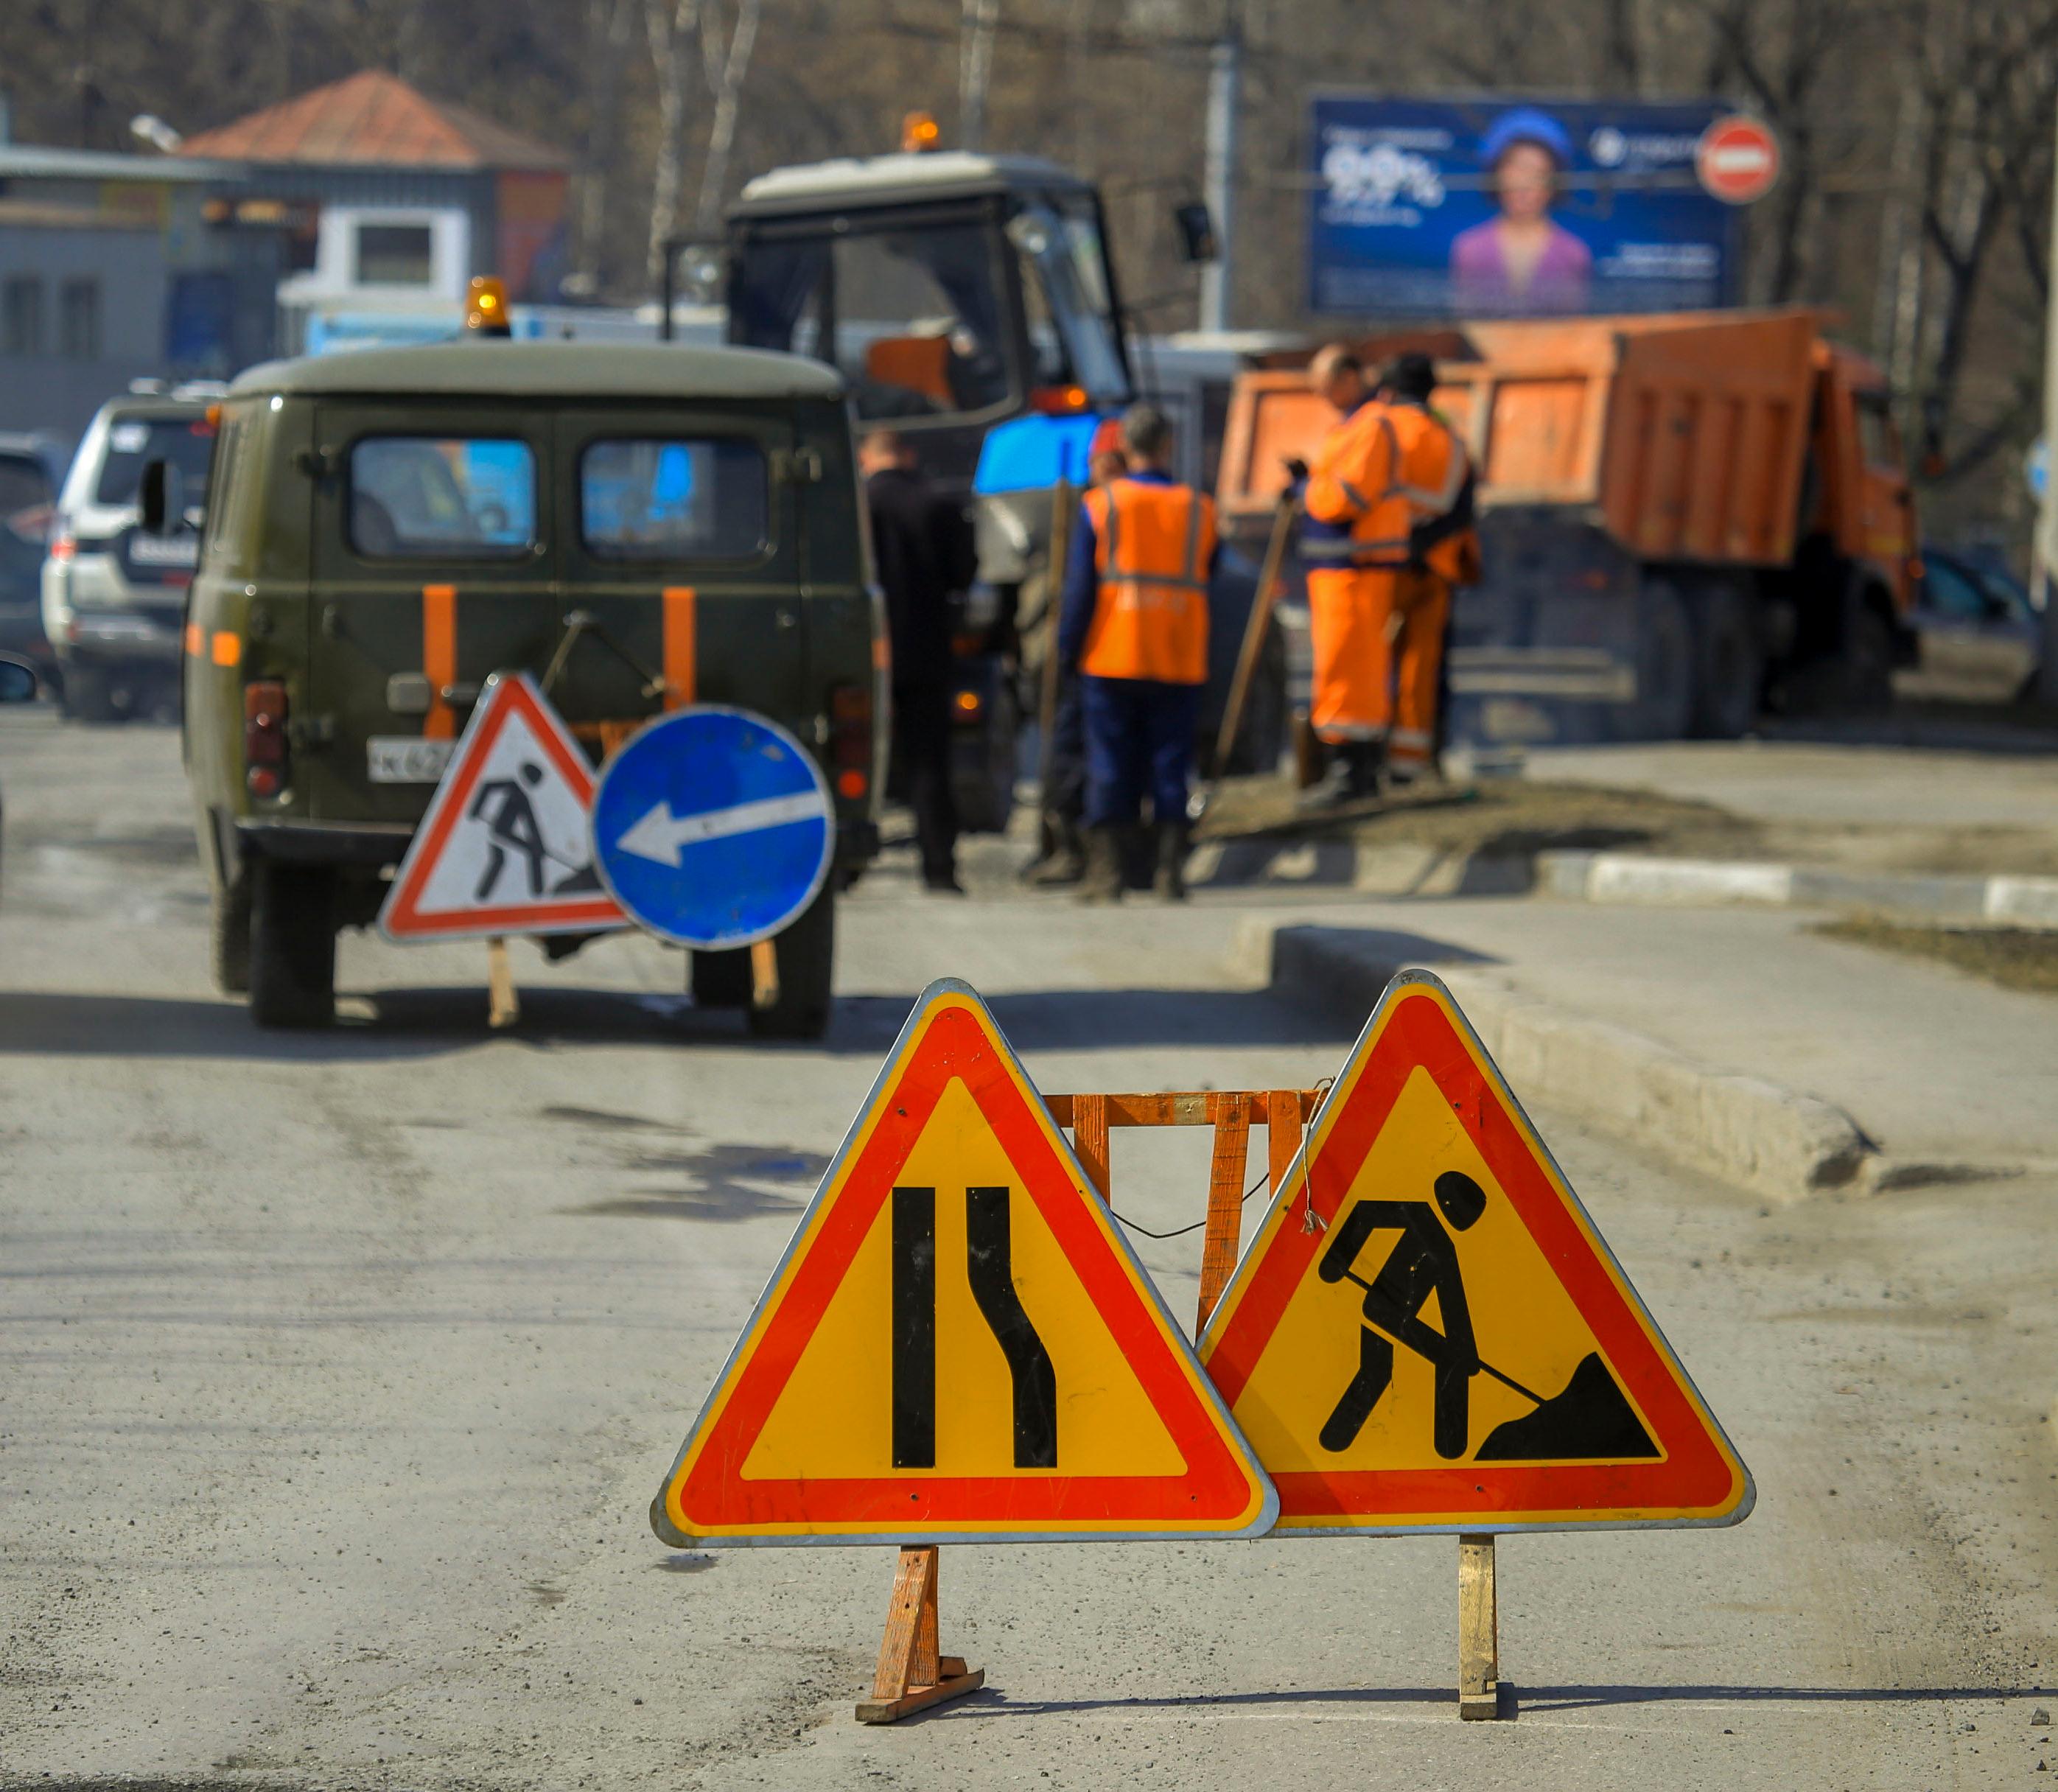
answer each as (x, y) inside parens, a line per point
(807, 959)
(720, 979)
(292, 945)
(1729, 664)
(983, 765)
(1867, 683)
(1664, 704)
(230, 937)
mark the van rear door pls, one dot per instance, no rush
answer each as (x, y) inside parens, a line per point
(434, 567)
(679, 538)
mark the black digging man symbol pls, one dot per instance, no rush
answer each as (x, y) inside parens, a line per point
(504, 805)
(1589, 1418)
(990, 1269)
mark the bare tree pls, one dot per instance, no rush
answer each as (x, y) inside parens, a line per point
(725, 71)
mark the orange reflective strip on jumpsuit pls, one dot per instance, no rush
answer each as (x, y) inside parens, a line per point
(1152, 546)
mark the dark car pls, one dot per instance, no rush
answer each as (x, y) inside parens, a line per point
(29, 476)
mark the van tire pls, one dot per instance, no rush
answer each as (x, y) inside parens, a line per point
(807, 963)
(720, 979)
(89, 696)
(292, 945)
(1729, 663)
(229, 937)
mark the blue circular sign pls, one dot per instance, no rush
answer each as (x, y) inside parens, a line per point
(713, 827)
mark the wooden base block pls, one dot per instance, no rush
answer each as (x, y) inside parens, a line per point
(920, 1699)
(503, 1007)
(1479, 1630)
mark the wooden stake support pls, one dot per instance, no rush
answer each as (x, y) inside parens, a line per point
(503, 1007)
(764, 976)
(1479, 1631)
(912, 1676)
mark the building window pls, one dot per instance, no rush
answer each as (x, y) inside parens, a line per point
(78, 320)
(21, 315)
(393, 254)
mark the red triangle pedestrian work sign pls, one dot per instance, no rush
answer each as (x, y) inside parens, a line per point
(958, 1344)
(1428, 1334)
(507, 846)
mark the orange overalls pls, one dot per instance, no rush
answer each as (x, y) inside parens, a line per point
(1376, 609)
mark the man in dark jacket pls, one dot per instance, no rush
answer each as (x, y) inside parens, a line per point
(924, 551)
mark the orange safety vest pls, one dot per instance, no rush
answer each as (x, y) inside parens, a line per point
(1384, 470)
(1152, 546)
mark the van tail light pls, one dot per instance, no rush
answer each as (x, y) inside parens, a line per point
(850, 740)
(64, 547)
(264, 736)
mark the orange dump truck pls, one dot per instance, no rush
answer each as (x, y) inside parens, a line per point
(1682, 516)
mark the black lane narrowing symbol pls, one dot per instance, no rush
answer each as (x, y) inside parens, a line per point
(990, 1270)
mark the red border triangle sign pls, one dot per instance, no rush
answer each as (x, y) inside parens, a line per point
(1428, 1334)
(958, 1344)
(506, 846)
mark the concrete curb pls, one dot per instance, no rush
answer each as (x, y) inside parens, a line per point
(1744, 1129)
(2031, 902)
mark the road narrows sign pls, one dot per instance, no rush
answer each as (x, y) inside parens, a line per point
(1428, 1334)
(506, 846)
(713, 827)
(958, 1344)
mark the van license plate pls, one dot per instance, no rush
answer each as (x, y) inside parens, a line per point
(406, 759)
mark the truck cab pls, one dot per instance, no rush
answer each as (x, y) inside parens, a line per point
(637, 526)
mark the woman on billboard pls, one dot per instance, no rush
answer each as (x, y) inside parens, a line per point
(1519, 260)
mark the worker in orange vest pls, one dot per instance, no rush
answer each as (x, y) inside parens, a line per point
(1436, 477)
(1387, 478)
(1134, 622)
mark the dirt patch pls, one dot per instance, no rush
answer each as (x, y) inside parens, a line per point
(1519, 817)
(2015, 957)
(1512, 816)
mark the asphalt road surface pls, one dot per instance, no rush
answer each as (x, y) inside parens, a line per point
(337, 1371)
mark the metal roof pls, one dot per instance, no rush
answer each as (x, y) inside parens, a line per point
(375, 119)
(887, 179)
(501, 369)
(36, 161)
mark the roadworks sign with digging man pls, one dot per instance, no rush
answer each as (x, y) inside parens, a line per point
(1427, 1332)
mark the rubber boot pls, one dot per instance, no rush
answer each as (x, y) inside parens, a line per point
(1365, 758)
(1103, 878)
(1064, 859)
(1171, 879)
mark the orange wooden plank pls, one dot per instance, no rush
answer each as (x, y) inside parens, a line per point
(1285, 1117)
(1225, 1208)
(1186, 1107)
(1090, 1140)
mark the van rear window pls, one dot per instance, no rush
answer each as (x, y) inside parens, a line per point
(441, 498)
(673, 498)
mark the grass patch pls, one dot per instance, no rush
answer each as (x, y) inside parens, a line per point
(2014, 957)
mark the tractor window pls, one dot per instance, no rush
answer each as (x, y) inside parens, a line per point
(915, 317)
(1064, 281)
(415, 497)
(678, 500)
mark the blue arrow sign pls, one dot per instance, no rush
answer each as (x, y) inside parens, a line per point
(713, 827)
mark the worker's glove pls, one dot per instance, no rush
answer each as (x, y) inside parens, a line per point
(1297, 469)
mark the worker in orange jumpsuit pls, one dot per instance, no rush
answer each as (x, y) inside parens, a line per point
(1133, 622)
(1435, 479)
(1387, 479)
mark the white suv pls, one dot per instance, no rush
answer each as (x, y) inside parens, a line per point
(113, 597)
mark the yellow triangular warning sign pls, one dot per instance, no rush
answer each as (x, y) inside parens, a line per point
(1427, 1332)
(959, 1342)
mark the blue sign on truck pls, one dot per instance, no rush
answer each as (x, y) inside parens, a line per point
(1500, 207)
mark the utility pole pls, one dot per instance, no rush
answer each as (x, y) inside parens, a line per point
(976, 35)
(1219, 178)
(2046, 556)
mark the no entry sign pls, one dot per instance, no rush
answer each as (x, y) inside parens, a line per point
(1738, 160)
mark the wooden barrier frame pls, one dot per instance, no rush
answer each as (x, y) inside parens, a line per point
(912, 1676)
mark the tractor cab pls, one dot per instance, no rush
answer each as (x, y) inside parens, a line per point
(958, 294)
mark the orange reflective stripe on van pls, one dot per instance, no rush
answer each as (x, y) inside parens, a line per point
(439, 658)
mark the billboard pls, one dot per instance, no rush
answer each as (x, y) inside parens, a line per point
(1506, 207)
